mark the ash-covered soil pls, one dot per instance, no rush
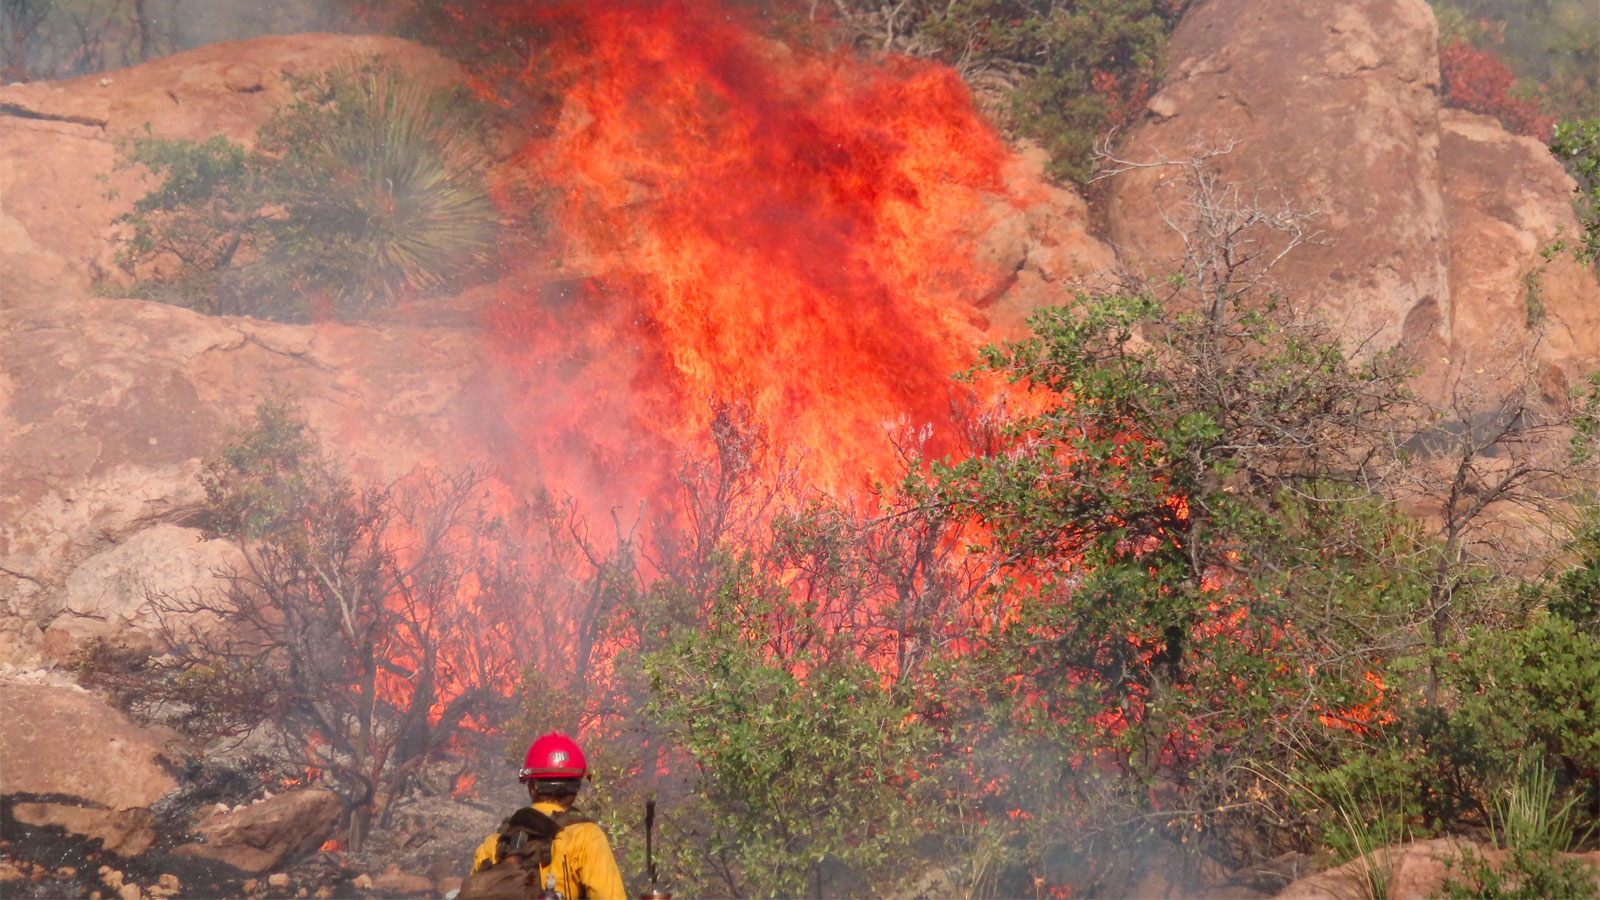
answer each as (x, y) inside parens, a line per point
(423, 853)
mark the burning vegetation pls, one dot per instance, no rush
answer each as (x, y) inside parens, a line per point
(868, 606)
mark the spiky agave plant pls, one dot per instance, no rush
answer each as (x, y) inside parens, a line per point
(382, 188)
(1525, 814)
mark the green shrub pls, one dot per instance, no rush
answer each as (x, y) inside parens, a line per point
(1577, 144)
(804, 763)
(1084, 64)
(1548, 672)
(366, 190)
(1527, 875)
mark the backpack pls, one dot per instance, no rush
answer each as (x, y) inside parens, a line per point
(523, 849)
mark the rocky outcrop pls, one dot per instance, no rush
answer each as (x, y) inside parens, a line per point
(1040, 242)
(1431, 220)
(107, 597)
(264, 834)
(1506, 200)
(69, 760)
(1334, 106)
(1414, 871)
(111, 404)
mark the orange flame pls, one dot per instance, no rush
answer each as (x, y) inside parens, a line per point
(788, 230)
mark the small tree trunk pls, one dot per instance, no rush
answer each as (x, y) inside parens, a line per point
(142, 22)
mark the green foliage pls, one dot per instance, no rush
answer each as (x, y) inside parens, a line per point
(1576, 597)
(1577, 144)
(1585, 444)
(366, 190)
(1548, 670)
(1366, 831)
(263, 482)
(1527, 816)
(1171, 621)
(1527, 875)
(1083, 66)
(803, 760)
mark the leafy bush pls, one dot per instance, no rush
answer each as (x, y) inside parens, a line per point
(803, 760)
(1548, 671)
(367, 189)
(1577, 144)
(1546, 668)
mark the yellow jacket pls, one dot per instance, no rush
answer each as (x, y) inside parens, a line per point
(580, 857)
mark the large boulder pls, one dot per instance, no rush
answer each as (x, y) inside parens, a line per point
(1334, 105)
(264, 834)
(107, 408)
(107, 598)
(1415, 871)
(1432, 220)
(1506, 200)
(69, 760)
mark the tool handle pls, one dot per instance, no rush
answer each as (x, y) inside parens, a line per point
(649, 829)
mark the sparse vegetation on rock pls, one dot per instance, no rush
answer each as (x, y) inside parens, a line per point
(367, 190)
(1577, 144)
(1064, 73)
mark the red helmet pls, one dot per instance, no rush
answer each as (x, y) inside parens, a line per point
(554, 755)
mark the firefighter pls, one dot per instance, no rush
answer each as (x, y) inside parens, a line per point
(581, 864)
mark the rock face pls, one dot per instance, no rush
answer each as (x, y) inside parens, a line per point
(111, 404)
(1431, 219)
(1416, 871)
(1334, 104)
(107, 406)
(68, 759)
(262, 835)
(106, 598)
(1044, 246)
(1506, 199)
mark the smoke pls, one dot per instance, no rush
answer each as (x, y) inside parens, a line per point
(47, 40)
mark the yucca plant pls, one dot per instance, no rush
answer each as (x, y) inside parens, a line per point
(392, 170)
(1365, 828)
(368, 189)
(1371, 838)
(1525, 816)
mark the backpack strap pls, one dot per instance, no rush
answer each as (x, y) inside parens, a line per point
(528, 834)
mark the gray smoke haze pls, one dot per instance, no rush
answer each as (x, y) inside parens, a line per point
(50, 39)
